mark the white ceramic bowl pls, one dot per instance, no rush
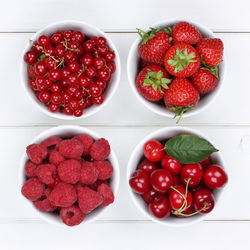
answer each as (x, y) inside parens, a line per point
(132, 71)
(89, 30)
(69, 131)
(135, 159)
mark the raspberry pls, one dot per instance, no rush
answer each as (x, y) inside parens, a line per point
(33, 189)
(106, 192)
(100, 149)
(43, 204)
(86, 141)
(72, 216)
(105, 169)
(56, 158)
(36, 153)
(46, 173)
(89, 173)
(97, 184)
(56, 181)
(71, 148)
(52, 142)
(69, 171)
(88, 199)
(30, 168)
(63, 195)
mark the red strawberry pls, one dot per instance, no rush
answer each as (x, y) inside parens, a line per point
(182, 60)
(204, 81)
(181, 96)
(154, 45)
(143, 64)
(152, 82)
(210, 50)
(186, 33)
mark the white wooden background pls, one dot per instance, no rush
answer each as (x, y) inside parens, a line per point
(124, 121)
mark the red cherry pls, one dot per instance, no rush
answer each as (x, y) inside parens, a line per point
(203, 200)
(98, 100)
(160, 207)
(43, 41)
(215, 177)
(153, 150)
(149, 196)
(193, 172)
(177, 200)
(41, 68)
(103, 74)
(187, 211)
(30, 57)
(54, 107)
(206, 162)
(170, 164)
(54, 75)
(148, 166)
(161, 180)
(139, 182)
(110, 56)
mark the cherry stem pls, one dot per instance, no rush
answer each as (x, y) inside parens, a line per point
(196, 212)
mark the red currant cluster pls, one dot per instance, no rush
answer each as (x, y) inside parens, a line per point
(68, 71)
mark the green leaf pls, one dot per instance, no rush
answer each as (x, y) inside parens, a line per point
(148, 82)
(189, 149)
(41, 57)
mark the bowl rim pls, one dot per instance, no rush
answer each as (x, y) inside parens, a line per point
(78, 129)
(131, 167)
(110, 92)
(214, 94)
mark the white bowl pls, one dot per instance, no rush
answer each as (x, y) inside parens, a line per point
(69, 131)
(132, 71)
(89, 30)
(135, 159)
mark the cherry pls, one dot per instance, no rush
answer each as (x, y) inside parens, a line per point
(101, 84)
(177, 198)
(110, 56)
(64, 73)
(56, 98)
(153, 150)
(170, 164)
(203, 201)
(160, 207)
(77, 36)
(73, 104)
(94, 90)
(215, 177)
(150, 195)
(206, 162)
(192, 171)
(89, 46)
(49, 62)
(97, 100)
(67, 110)
(55, 87)
(43, 41)
(90, 72)
(54, 75)
(54, 107)
(73, 66)
(30, 57)
(44, 96)
(87, 60)
(161, 180)
(148, 166)
(111, 66)
(102, 50)
(99, 62)
(60, 50)
(67, 34)
(41, 68)
(99, 41)
(103, 74)
(84, 81)
(57, 37)
(139, 181)
(72, 78)
(78, 112)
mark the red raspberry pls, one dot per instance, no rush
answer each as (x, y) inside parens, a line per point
(88, 199)
(56, 158)
(106, 192)
(33, 189)
(69, 171)
(100, 149)
(71, 148)
(63, 195)
(56, 181)
(30, 168)
(52, 142)
(105, 169)
(86, 141)
(36, 153)
(72, 216)
(89, 173)
(46, 173)
(43, 204)
(97, 184)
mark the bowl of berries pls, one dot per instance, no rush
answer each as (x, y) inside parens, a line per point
(70, 69)
(176, 176)
(69, 175)
(176, 68)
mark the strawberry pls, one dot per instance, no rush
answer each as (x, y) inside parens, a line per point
(186, 33)
(182, 60)
(154, 45)
(204, 81)
(152, 82)
(143, 64)
(210, 50)
(181, 96)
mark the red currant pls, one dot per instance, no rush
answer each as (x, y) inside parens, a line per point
(54, 107)
(40, 83)
(89, 46)
(54, 75)
(41, 68)
(50, 50)
(65, 97)
(99, 62)
(98, 100)
(103, 74)
(67, 110)
(73, 66)
(32, 84)
(55, 87)
(72, 78)
(110, 56)
(43, 41)
(101, 84)
(94, 90)
(57, 37)
(44, 96)
(56, 98)
(67, 34)
(100, 41)
(50, 63)
(87, 60)
(78, 112)
(72, 89)
(32, 72)
(70, 56)
(30, 57)
(77, 36)
(84, 81)
(111, 66)
(102, 50)
(60, 50)
(64, 73)
(90, 72)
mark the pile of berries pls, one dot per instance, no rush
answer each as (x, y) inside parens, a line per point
(68, 71)
(171, 188)
(177, 65)
(70, 176)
